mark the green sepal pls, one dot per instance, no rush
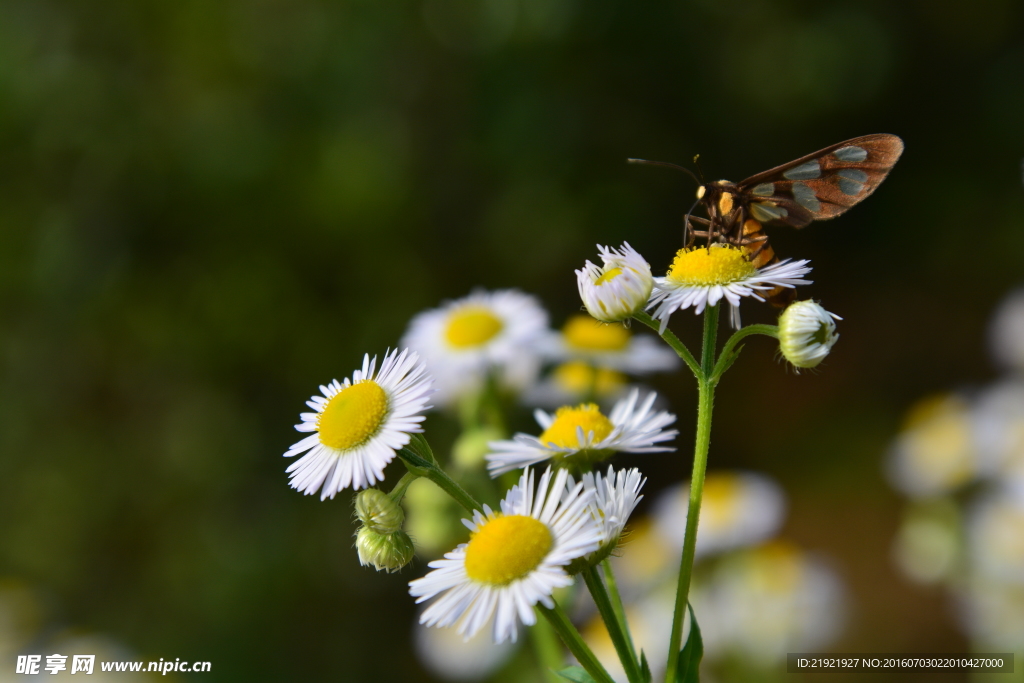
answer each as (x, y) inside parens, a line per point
(414, 463)
(576, 674)
(691, 654)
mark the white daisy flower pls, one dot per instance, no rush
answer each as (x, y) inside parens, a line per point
(619, 288)
(995, 534)
(615, 497)
(763, 602)
(610, 346)
(486, 332)
(1006, 332)
(992, 613)
(998, 420)
(582, 433)
(513, 560)
(359, 424)
(576, 381)
(936, 452)
(450, 657)
(928, 543)
(807, 333)
(737, 509)
(703, 276)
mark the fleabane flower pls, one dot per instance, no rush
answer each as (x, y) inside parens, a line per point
(514, 559)
(738, 509)
(617, 289)
(807, 333)
(576, 381)
(1006, 332)
(935, 453)
(465, 340)
(583, 434)
(702, 276)
(616, 495)
(610, 346)
(359, 424)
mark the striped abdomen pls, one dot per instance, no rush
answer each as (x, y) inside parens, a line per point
(755, 244)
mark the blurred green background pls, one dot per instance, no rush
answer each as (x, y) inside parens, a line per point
(209, 208)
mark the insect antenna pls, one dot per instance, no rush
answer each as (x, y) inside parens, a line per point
(666, 163)
(699, 181)
(696, 162)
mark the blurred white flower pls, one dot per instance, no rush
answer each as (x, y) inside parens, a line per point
(928, 544)
(998, 421)
(574, 382)
(613, 346)
(935, 453)
(992, 613)
(763, 602)
(1006, 332)
(995, 535)
(449, 656)
(486, 333)
(737, 509)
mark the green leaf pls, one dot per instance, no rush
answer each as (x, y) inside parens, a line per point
(691, 654)
(576, 674)
(645, 668)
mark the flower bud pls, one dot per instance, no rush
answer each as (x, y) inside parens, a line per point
(390, 552)
(377, 512)
(806, 333)
(619, 288)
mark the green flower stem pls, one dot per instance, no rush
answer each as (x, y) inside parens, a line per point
(672, 340)
(548, 650)
(491, 409)
(574, 641)
(611, 622)
(620, 611)
(726, 358)
(398, 492)
(705, 403)
(424, 468)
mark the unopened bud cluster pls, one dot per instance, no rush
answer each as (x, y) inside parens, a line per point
(380, 540)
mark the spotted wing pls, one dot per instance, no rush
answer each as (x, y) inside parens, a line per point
(824, 184)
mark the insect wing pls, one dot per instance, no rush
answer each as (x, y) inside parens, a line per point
(824, 184)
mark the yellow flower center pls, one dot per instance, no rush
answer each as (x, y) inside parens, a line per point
(472, 326)
(776, 568)
(584, 333)
(939, 440)
(353, 415)
(719, 265)
(562, 431)
(578, 376)
(507, 548)
(721, 494)
(608, 276)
